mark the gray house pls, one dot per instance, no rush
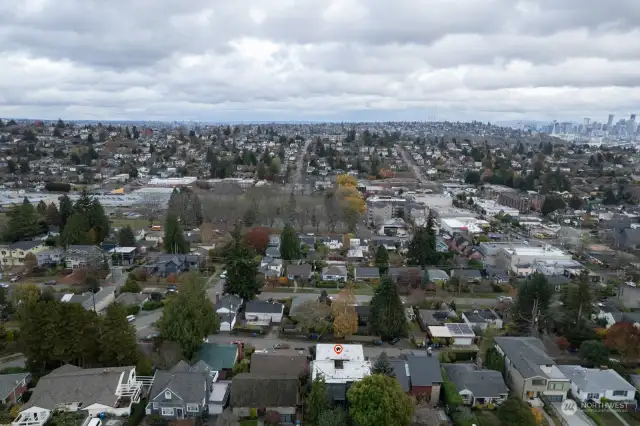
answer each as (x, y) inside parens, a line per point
(529, 371)
(50, 257)
(179, 394)
(83, 256)
(477, 387)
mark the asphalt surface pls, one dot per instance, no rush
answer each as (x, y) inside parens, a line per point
(297, 177)
(411, 165)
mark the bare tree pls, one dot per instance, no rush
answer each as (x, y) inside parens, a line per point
(150, 206)
(313, 315)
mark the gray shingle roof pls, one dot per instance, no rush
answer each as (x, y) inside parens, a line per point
(188, 386)
(258, 390)
(261, 306)
(481, 383)
(400, 369)
(595, 380)
(8, 382)
(424, 370)
(366, 272)
(74, 384)
(526, 354)
(279, 362)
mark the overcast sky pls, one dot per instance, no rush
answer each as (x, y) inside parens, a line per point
(219, 60)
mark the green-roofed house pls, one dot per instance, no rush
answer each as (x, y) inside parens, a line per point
(220, 357)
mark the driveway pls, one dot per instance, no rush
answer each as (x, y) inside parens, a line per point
(579, 418)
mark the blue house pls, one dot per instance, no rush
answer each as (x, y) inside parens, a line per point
(167, 264)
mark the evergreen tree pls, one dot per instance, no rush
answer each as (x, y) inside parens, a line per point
(189, 317)
(378, 400)
(289, 244)
(387, 312)
(422, 248)
(174, 240)
(22, 223)
(316, 402)
(382, 259)
(75, 231)
(118, 343)
(186, 206)
(577, 301)
(126, 237)
(383, 366)
(66, 210)
(241, 268)
(42, 208)
(534, 292)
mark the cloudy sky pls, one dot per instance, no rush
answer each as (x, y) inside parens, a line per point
(219, 60)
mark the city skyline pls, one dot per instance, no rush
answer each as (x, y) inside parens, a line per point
(345, 60)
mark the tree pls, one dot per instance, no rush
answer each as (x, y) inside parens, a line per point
(515, 412)
(552, 203)
(241, 268)
(578, 301)
(382, 259)
(533, 301)
(75, 230)
(351, 205)
(118, 344)
(594, 352)
(316, 402)
(30, 261)
(388, 318)
(624, 338)
(575, 202)
(383, 366)
(126, 237)
(274, 166)
(189, 317)
(92, 285)
(174, 240)
(609, 197)
(313, 315)
(22, 223)
(131, 286)
(66, 210)
(422, 248)
(334, 417)
(289, 244)
(42, 208)
(186, 206)
(258, 239)
(52, 216)
(378, 400)
(472, 178)
(345, 318)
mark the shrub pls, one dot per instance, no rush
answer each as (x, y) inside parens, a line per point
(172, 278)
(133, 310)
(140, 274)
(496, 288)
(152, 305)
(272, 418)
(10, 336)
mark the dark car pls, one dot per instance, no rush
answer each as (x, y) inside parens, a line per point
(394, 340)
(51, 282)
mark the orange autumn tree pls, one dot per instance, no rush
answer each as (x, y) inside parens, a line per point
(345, 318)
(624, 337)
(350, 201)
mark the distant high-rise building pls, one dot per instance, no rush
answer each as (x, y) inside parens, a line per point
(586, 122)
(610, 122)
(631, 125)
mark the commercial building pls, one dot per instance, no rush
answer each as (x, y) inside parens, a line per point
(173, 182)
(492, 208)
(522, 260)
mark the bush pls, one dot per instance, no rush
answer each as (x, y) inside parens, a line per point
(329, 284)
(131, 286)
(272, 418)
(133, 310)
(137, 413)
(152, 305)
(10, 336)
(140, 274)
(172, 278)
(496, 288)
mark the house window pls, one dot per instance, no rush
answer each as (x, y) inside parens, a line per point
(338, 364)
(619, 393)
(286, 418)
(192, 408)
(167, 411)
(555, 386)
(538, 382)
(593, 396)
(167, 395)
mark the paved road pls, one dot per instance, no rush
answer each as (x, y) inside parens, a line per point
(11, 361)
(412, 166)
(297, 177)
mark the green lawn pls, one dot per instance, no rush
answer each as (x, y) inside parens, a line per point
(604, 418)
(269, 289)
(133, 223)
(629, 418)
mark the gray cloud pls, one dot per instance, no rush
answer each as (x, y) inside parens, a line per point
(304, 59)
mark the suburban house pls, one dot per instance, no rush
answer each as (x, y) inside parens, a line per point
(179, 394)
(281, 361)
(299, 272)
(431, 317)
(219, 357)
(83, 256)
(124, 255)
(459, 334)
(425, 378)
(167, 264)
(218, 393)
(467, 275)
(227, 309)
(612, 315)
(339, 370)
(260, 393)
(437, 275)
(271, 267)
(14, 254)
(263, 311)
(363, 312)
(52, 256)
(483, 318)
(334, 273)
(97, 390)
(529, 371)
(102, 299)
(477, 387)
(363, 273)
(12, 386)
(597, 383)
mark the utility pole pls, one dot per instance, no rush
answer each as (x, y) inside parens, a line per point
(534, 319)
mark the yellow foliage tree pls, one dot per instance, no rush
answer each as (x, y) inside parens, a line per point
(345, 318)
(346, 180)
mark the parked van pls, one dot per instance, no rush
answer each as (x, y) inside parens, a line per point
(130, 318)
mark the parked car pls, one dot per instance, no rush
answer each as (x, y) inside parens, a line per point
(4, 285)
(51, 282)
(281, 346)
(394, 340)
(16, 278)
(131, 318)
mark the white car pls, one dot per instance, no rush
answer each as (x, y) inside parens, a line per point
(630, 284)
(131, 318)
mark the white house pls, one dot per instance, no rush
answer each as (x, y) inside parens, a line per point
(340, 363)
(263, 311)
(461, 333)
(69, 388)
(334, 273)
(595, 384)
(483, 318)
